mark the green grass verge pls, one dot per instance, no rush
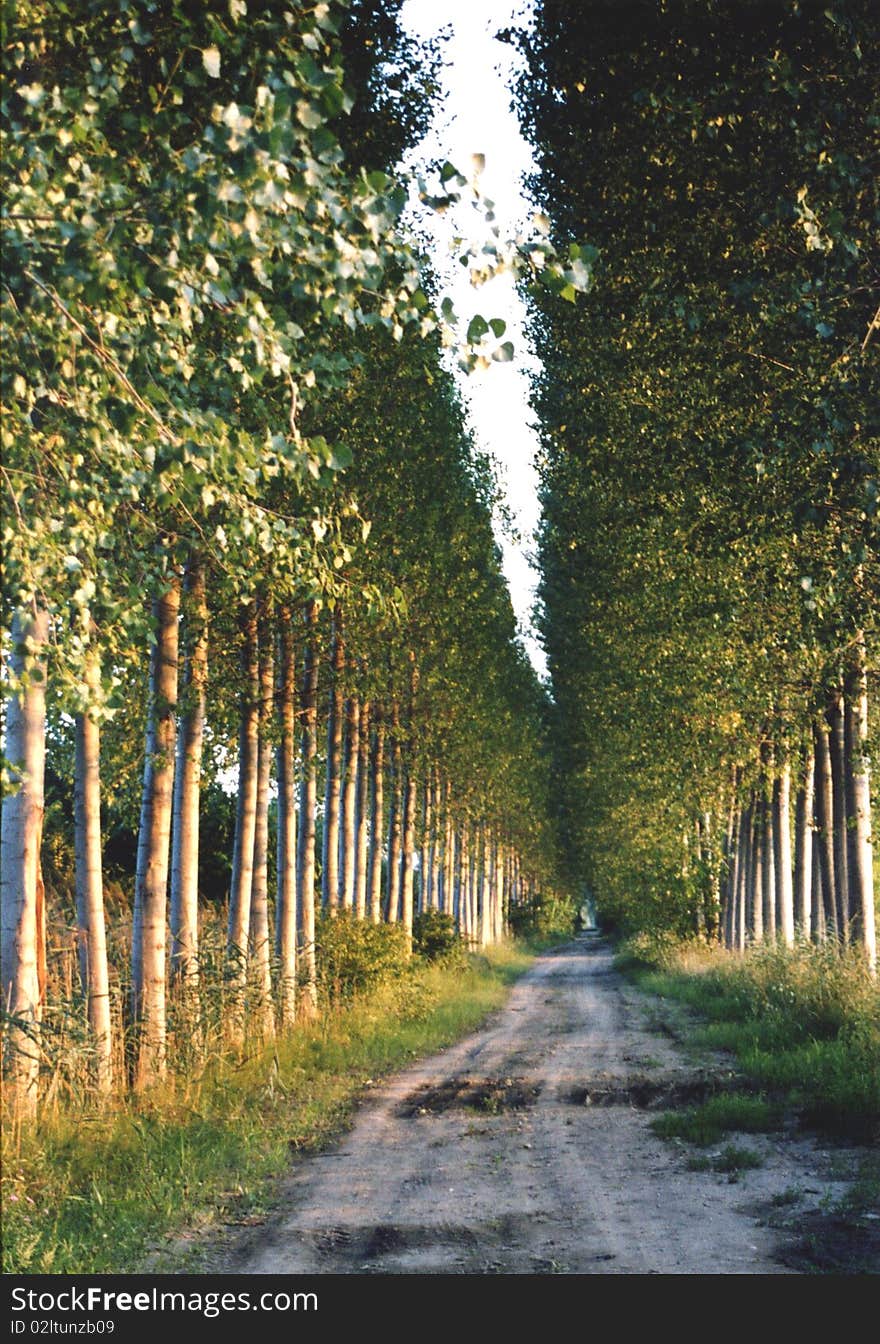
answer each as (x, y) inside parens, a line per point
(705, 1124)
(804, 1024)
(98, 1192)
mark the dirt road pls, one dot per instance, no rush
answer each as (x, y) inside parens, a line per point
(527, 1149)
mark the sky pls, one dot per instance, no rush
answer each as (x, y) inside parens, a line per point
(476, 118)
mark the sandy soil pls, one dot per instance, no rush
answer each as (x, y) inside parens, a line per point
(526, 1148)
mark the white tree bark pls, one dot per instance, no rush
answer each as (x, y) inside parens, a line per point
(348, 843)
(260, 1009)
(245, 825)
(151, 879)
(285, 910)
(377, 818)
(21, 904)
(184, 913)
(861, 788)
(305, 865)
(91, 928)
(330, 846)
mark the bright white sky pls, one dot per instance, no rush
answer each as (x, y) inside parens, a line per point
(476, 118)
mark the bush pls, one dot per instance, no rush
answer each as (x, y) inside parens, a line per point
(355, 955)
(435, 937)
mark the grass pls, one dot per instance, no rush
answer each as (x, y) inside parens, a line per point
(705, 1124)
(804, 1024)
(731, 1159)
(99, 1191)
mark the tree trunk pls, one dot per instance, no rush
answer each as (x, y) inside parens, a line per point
(731, 876)
(285, 904)
(758, 851)
(21, 884)
(464, 877)
(377, 817)
(862, 876)
(446, 901)
(305, 859)
(782, 835)
(330, 866)
(362, 815)
(261, 1012)
(151, 879)
(425, 852)
(184, 913)
(348, 839)
(824, 802)
(746, 828)
(91, 928)
(837, 744)
(803, 849)
(395, 812)
(245, 823)
(409, 842)
(768, 868)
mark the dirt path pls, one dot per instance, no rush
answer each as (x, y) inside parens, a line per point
(527, 1149)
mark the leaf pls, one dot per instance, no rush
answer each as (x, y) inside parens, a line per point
(211, 61)
(504, 353)
(498, 325)
(477, 329)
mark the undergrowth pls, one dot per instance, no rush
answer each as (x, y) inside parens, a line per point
(803, 1023)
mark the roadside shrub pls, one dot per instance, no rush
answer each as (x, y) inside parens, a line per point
(545, 916)
(435, 937)
(355, 955)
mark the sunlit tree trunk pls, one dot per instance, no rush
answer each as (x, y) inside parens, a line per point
(184, 911)
(863, 873)
(824, 804)
(377, 817)
(285, 903)
(261, 1013)
(410, 803)
(782, 836)
(837, 744)
(151, 878)
(305, 866)
(803, 849)
(425, 855)
(91, 927)
(330, 865)
(463, 882)
(395, 814)
(348, 842)
(245, 822)
(447, 904)
(757, 897)
(731, 874)
(362, 815)
(768, 868)
(21, 883)
(746, 829)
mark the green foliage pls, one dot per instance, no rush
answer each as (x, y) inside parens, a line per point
(709, 543)
(355, 956)
(436, 938)
(549, 915)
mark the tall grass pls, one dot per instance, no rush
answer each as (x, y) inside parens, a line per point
(100, 1189)
(804, 1021)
